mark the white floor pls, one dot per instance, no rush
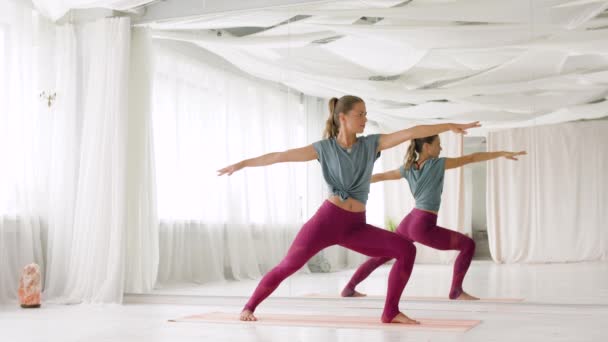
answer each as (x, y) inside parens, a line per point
(563, 302)
(572, 283)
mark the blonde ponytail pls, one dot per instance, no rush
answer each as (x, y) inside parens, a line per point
(411, 156)
(331, 127)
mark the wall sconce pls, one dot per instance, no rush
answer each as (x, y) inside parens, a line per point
(49, 98)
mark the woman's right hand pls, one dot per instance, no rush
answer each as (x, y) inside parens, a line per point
(462, 128)
(229, 170)
(513, 155)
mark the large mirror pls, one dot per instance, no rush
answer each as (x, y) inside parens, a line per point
(257, 79)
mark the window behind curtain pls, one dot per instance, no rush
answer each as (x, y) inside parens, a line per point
(206, 117)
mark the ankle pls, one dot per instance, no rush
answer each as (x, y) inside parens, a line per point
(348, 291)
(455, 293)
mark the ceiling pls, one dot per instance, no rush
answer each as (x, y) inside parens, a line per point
(506, 63)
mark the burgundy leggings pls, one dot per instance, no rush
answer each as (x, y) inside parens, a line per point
(332, 225)
(421, 226)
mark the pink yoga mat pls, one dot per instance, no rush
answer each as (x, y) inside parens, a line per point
(325, 321)
(421, 298)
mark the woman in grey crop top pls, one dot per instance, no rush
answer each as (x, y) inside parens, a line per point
(424, 171)
(347, 162)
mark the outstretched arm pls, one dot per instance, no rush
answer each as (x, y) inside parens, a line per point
(451, 163)
(294, 155)
(393, 139)
(389, 175)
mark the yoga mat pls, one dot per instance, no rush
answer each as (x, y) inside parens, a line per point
(421, 298)
(325, 321)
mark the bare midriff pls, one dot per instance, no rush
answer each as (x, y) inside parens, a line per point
(429, 211)
(350, 204)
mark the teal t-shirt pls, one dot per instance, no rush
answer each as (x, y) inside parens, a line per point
(348, 174)
(426, 183)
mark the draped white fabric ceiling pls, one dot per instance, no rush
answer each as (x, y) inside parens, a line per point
(506, 63)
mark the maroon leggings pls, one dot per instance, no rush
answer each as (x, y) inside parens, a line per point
(332, 225)
(421, 226)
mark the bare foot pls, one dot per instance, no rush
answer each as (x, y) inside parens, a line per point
(358, 294)
(247, 315)
(465, 296)
(352, 293)
(403, 319)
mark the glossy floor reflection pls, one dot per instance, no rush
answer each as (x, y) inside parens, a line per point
(564, 302)
(572, 283)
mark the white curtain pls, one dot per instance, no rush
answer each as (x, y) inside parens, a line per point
(97, 252)
(142, 220)
(76, 186)
(398, 200)
(551, 205)
(63, 164)
(103, 229)
(23, 126)
(207, 115)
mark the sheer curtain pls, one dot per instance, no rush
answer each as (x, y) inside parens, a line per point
(76, 183)
(550, 206)
(108, 241)
(95, 261)
(103, 236)
(207, 115)
(63, 164)
(22, 135)
(141, 259)
(113, 246)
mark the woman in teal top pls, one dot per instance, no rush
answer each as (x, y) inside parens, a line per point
(424, 170)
